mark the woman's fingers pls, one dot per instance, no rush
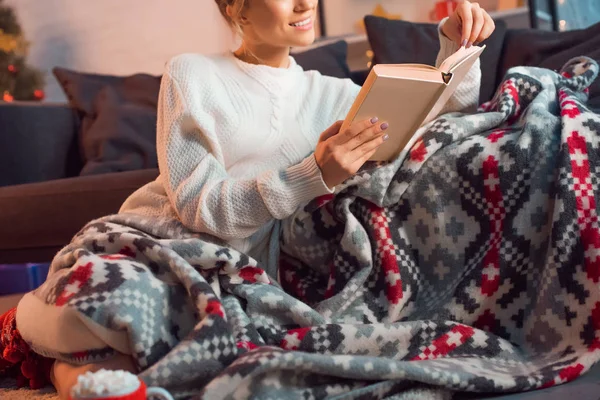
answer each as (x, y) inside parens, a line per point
(354, 129)
(488, 28)
(368, 148)
(478, 22)
(336, 155)
(465, 14)
(365, 136)
(366, 155)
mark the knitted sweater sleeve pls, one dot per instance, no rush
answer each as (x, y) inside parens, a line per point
(466, 95)
(205, 198)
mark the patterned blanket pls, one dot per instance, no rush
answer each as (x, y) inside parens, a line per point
(470, 263)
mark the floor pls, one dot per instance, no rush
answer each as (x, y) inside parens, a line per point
(8, 388)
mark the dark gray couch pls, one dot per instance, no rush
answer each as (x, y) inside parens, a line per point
(43, 201)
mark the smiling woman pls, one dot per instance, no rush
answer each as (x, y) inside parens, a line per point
(268, 25)
(244, 140)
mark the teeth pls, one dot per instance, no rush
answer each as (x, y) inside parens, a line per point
(302, 23)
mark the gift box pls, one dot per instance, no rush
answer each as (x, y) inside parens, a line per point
(444, 9)
(21, 278)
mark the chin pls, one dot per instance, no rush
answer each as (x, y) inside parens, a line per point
(307, 40)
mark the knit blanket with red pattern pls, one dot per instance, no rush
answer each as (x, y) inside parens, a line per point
(470, 263)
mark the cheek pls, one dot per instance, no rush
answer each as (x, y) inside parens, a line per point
(269, 28)
(274, 21)
(281, 16)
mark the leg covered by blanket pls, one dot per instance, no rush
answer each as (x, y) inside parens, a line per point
(472, 263)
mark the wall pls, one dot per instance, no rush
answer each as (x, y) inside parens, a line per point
(342, 15)
(127, 36)
(117, 36)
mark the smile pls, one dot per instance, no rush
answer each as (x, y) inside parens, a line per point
(306, 22)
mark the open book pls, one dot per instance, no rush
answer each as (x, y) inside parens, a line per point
(408, 96)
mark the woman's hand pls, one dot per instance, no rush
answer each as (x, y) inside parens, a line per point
(469, 24)
(340, 154)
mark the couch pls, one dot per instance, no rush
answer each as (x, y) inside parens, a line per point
(63, 165)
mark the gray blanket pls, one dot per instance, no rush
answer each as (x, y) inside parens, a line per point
(470, 263)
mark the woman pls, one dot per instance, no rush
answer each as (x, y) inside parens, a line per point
(243, 139)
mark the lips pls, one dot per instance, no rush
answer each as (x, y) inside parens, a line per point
(304, 22)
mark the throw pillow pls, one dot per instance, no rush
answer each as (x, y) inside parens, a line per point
(552, 50)
(117, 119)
(328, 59)
(398, 42)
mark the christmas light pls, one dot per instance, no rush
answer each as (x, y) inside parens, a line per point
(39, 94)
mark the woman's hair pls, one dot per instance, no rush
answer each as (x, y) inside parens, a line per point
(236, 7)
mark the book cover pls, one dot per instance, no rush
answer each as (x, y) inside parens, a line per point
(408, 96)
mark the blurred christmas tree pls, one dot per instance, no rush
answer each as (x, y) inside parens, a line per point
(17, 80)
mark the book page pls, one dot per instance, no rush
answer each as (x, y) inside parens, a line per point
(408, 71)
(458, 71)
(458, 57)
(407, 66)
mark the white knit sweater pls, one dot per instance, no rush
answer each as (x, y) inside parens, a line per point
(235, 145)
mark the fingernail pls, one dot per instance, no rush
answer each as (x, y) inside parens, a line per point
(464, 43)
(469, 44)
(384, 126)
(386, 137)
(374, 119)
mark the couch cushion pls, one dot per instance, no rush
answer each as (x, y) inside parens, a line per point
(38, 142)
(118, 119)
(40, 218)
(398, 42)
(329, 59)
(552, 50)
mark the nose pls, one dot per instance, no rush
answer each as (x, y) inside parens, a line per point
(304, 5)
